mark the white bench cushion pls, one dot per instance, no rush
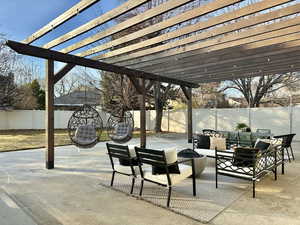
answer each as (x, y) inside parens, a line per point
(185, 171)
(211, 153)
(126, 169)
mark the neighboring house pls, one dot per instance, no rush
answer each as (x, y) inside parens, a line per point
(77, 98)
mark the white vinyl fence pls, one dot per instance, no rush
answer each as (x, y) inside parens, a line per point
(280, 120)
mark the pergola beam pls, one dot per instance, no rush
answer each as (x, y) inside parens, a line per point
(71, 59)
(70, 13)
(60, 74)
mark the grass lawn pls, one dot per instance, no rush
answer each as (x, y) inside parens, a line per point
(13, 140)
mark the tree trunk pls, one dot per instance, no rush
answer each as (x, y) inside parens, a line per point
(159, 115)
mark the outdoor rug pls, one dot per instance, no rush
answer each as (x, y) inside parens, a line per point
(208, 203)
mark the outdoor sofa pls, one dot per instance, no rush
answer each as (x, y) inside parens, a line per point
(245, 139)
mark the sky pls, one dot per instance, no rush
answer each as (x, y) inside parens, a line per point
(21, 18)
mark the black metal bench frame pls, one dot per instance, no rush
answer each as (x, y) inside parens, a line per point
(263, 163)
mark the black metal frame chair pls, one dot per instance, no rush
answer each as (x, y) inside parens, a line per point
(158, 158)
(287, 144)
(257, 164)
(121, 152)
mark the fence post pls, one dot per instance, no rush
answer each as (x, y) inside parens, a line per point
(291, 118)
(216, 119)
(168, 119)
(249, 117)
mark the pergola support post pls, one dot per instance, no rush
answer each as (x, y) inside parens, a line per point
(143, 114)
(190, 116)
(49, 154)
(188, 94)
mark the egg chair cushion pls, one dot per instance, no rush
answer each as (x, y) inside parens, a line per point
(85, 135)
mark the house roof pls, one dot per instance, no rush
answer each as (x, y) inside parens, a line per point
(79, 97)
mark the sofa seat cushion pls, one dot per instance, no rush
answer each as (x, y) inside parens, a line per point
(185, 171)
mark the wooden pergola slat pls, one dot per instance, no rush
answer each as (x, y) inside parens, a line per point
(165, 7)
(265, 66)
(127, 6)
(247, 10)
(227, 57)
(70, 13)
(289, 56)
(191, 14)
(252, 74)
(184, 53)
(249, 35)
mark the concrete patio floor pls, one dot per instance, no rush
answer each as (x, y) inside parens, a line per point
(71, 195)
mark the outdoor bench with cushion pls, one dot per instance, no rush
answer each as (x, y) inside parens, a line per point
(249, 163)
(165, 169)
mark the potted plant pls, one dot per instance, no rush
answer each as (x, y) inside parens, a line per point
(242, 127)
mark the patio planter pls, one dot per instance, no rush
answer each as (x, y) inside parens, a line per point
(199, 160)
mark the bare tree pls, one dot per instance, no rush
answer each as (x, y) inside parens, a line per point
(7, 80)
(162, 95)
(254, 89)
(79, 79)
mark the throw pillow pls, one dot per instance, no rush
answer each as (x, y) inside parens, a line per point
(126, 162)
(217, 143)
(157, 170)
(203, 141)
(261, 145)
(244, 157)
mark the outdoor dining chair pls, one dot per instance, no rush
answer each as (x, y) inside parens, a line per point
(166, 169)
(287, 144)
(127, 162)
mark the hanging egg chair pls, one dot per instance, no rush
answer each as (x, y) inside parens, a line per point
(85, 127)
(120, 127)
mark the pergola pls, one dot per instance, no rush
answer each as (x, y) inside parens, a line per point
(173, 43)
